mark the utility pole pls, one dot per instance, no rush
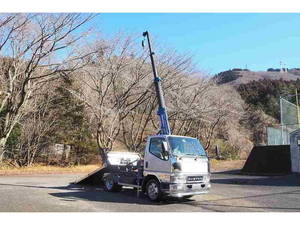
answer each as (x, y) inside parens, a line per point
(297, 105)
(162, 109)
(281, 120)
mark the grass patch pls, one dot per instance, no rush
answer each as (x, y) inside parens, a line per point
(226, 165)
(41, 169)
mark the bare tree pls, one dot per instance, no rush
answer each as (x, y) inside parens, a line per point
(199, 109)
(119, 94)
(142, 119)
(35, 128)
(107, 87)
(35, 49)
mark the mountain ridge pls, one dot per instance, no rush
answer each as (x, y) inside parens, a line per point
(236, 77)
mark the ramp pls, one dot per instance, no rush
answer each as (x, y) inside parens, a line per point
(93, 178)
(114, 161)
(267, 160)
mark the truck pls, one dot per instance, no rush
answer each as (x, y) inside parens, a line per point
(171, 165)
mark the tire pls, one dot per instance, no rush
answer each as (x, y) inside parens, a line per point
(110, 185)
(153, 190)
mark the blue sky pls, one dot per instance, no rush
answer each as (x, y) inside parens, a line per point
(218, 41)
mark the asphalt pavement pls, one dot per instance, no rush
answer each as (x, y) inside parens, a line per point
(231, 192)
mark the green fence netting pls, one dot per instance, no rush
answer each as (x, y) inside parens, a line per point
(289, 122)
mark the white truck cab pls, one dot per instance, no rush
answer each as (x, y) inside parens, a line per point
(176, 165)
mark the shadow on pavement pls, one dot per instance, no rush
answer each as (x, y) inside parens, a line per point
(227, 172)
(282, 180)
(74, 192)
(240, 208)
(223, 204)
(125, 196)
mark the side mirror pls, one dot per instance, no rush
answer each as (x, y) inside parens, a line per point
(165, 146)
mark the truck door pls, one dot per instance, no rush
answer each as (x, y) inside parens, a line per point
(156, 159)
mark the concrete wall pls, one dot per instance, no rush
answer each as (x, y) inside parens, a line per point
(295, 151)
(273, 159)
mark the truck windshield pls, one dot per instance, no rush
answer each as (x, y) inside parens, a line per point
(186, 146)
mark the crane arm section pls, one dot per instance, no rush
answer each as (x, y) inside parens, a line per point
(162, 109)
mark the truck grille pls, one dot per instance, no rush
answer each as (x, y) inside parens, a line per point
(194, 179)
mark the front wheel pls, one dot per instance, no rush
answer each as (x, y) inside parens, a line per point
(153, 190)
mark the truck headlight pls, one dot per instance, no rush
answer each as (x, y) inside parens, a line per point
(177, 179)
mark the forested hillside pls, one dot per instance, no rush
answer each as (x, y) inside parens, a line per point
(264, 94)
(236, 77)
(262, 90)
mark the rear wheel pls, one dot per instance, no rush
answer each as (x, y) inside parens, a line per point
(110, 184)
(153, 190)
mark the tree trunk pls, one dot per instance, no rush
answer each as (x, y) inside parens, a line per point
(102, 150)
(2, 148)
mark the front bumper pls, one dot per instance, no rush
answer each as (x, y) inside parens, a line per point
(180, 190)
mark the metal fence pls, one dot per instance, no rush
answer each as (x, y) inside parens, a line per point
(280, 135)
(288, 113)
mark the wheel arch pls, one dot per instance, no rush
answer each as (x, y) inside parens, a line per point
(146, 179)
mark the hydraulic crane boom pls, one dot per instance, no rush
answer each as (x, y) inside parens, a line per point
(162, 110)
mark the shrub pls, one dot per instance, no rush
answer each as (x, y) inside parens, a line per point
(227, 151)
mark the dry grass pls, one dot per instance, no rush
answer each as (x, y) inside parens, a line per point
(40, 169)
(226, 165)
(216, 166)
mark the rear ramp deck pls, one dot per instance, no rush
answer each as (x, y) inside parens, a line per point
(93, 178)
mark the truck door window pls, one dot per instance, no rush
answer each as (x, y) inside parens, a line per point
(157, 149)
